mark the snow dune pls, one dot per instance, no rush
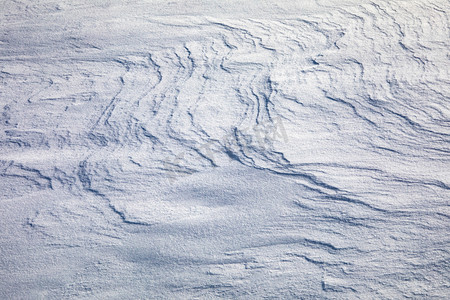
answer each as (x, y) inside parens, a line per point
(224, 149)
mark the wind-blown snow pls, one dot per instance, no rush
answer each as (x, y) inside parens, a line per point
(228, 149)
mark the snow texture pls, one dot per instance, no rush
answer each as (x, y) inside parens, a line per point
(224, 149)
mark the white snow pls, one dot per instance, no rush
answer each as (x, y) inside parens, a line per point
(224, 149)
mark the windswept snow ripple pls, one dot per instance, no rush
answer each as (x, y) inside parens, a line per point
(155, 150)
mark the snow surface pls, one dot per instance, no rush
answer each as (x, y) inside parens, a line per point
(224, 149)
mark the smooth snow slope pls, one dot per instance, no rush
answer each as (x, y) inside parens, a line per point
(224, 149)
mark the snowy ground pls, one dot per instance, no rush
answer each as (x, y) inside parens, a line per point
(224, 149)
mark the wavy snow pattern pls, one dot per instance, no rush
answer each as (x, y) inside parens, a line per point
(156, 150)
